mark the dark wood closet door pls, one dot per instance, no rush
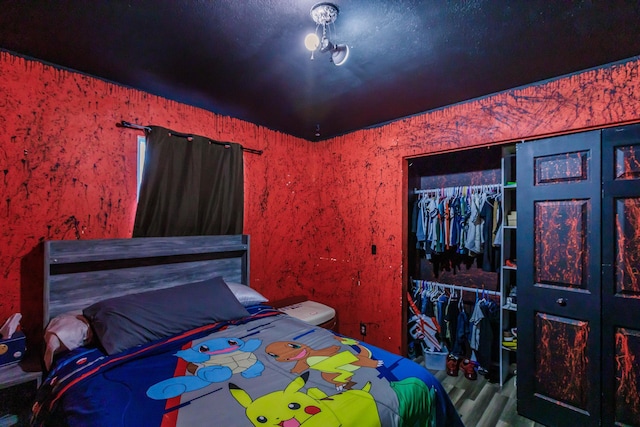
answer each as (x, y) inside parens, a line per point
(558, 259)
(621, 276)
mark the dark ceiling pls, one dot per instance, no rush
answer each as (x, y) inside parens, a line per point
(246, 58)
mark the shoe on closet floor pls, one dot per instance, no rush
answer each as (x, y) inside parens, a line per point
(453, 365)
(469, 369)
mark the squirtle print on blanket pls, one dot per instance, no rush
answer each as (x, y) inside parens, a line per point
(211, 361)
(265, 370)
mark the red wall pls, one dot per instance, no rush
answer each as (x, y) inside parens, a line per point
(70, 173)
(313, 210)
(362, 186)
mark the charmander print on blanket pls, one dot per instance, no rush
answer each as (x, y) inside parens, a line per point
(337, 366)
(269, 369)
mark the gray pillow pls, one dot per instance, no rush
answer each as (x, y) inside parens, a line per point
(131, 320)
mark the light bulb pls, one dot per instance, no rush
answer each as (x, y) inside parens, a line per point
(312, 41)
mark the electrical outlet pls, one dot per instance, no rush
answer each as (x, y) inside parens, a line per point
(363, 329)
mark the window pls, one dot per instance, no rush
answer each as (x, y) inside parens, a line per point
(142, 146)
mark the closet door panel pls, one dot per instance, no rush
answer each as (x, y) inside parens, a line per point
(627, 377)
(561, 168)
(627, 162)
(562, 350)
(559, 202)
(621, 276)
(561, 262)
(627, 240)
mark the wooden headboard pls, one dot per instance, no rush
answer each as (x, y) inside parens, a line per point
(81, 272)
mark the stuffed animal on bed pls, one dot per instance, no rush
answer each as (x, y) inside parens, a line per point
(65, 332)
(211, 361)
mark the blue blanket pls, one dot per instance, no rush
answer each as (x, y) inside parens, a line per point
(268, 369)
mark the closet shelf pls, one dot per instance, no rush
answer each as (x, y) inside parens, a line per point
(508, 269)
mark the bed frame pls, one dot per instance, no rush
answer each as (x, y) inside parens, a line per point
(79, 273)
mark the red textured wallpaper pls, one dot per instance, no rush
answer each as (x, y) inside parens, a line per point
(313, 210)
(70, 173)
(362, 185)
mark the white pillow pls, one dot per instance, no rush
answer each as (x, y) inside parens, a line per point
(246, 295)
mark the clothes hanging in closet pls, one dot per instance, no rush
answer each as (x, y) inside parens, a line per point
(485, 333)
(438, 313)
(457, 226)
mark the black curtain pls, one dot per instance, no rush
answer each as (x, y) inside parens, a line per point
(190, 186)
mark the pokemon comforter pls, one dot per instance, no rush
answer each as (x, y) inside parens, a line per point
(269, 369)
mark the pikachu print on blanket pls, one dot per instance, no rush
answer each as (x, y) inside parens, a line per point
(292, 408)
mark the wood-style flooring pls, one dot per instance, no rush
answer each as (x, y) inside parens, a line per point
(484, 404)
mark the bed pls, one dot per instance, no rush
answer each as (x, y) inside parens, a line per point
(176, 337)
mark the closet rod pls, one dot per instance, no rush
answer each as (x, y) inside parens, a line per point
(456, 287)
(470, 187)
(147, 129)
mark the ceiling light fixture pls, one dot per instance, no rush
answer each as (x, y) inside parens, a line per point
(324, 14)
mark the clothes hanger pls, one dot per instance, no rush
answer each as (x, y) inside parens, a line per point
(437, 293)
(484, 295)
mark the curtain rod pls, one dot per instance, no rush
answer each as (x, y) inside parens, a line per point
(147, 129)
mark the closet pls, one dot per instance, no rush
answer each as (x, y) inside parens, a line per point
(578, 276)
(450, 273)
(569, 277)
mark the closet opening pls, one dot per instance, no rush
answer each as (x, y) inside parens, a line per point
(454, 259)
